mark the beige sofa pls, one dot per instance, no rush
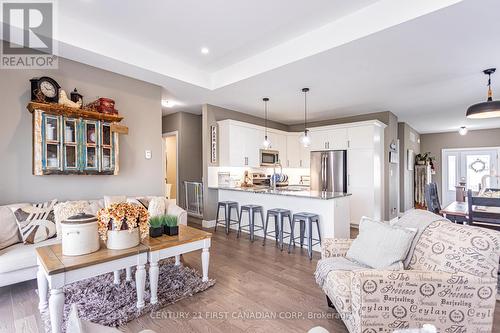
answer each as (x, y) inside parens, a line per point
(451, 282)
(18, 262)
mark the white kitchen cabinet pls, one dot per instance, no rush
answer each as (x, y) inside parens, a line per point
(328, 139)
(279, 143)
(292, 151)
(361, 184)
(239, 145)
(361, 137)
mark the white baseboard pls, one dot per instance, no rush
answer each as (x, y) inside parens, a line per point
(207, 224)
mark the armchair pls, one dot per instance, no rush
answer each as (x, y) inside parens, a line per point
(451, 283)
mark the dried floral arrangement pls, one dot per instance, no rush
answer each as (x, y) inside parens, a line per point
(123, 216)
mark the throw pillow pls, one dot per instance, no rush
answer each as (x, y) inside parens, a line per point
(67, 209)
(9, 234)
(36, 222)
(380, 245)
(156, 206)
(109, 199)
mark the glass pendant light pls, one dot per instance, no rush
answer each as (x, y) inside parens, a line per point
(267, 143)
(305, 139)
(488, 109)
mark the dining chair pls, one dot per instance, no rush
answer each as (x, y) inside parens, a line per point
(484, 214)
(432, 198)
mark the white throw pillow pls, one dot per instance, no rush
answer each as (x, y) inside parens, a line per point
(111, 199)
(380, 245)
(67, 209)
(156, 206)
(9, 234)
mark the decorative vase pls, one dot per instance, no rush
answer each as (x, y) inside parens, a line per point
(171, 231)
(155, 232)
(122, 239)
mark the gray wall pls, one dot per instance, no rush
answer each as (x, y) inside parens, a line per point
(406, 191)
(190, 146)
(391, 192)
(436, 142)
(137, 101)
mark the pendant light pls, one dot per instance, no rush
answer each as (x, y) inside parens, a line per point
(488, 109)
(305, 139)
(267, 143)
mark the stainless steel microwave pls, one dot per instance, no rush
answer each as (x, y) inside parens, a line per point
(269, 157)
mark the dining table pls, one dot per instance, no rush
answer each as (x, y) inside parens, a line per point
(458, 211)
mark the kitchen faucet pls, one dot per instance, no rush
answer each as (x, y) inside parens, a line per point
(273, 177)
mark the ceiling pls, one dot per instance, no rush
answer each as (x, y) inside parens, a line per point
(422, 60)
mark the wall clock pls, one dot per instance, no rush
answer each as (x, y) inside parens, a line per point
(46, 88)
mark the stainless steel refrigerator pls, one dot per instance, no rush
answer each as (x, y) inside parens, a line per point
(329, 171)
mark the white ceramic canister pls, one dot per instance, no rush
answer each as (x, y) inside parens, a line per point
(79, 235)
(122, 239)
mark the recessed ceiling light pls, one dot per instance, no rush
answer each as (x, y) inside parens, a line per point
(168, 104)
(205, 50)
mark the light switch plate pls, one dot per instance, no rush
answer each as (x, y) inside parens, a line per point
(147, 154)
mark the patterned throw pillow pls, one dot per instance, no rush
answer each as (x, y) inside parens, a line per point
(36, 222)
(63, 210)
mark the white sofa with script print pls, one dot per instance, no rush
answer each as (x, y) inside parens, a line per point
(451, 282)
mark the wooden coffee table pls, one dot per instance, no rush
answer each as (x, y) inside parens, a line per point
(188, 240)
(56, 271)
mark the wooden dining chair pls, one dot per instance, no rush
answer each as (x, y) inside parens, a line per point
(482, 217)
(432, 198)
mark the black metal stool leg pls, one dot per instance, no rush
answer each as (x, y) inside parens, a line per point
(228, 218)
(265, 230)
(319, 232)
(309, 237)
(276, 229)
(281, 222)
(251, 214)
(292, 236)
(302, 230)
(239, 223)
(217, 218)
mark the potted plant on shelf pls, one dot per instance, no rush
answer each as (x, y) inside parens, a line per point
(156, 226)
(170, 225)
(123, 225)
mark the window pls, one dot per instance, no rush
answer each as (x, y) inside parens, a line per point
(452, 172)
(477, 167)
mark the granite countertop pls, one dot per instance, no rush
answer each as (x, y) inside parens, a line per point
(291, 191)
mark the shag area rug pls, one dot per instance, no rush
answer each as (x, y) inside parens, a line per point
(100, 301)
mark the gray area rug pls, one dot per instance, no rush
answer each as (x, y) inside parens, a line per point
(100, 301)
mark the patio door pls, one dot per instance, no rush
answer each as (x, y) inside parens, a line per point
(469, 166)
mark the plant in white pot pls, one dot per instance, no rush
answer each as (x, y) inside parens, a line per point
(122, 225)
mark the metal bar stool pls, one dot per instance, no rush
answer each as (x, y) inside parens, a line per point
(252, 210)
(279, 215)
(228, 206)
(306, 220)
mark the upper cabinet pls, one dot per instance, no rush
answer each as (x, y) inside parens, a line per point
(328, 139)
(67, 141)
(362, 137)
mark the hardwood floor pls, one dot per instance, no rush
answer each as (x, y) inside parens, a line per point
(252, 281)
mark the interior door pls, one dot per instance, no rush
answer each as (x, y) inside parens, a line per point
(468, 166)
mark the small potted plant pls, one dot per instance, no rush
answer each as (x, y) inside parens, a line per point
(170, 225)
(156, 226)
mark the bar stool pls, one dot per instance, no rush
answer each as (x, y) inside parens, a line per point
(306, 220)
(279, 215)
(252, 210)
(228, 206)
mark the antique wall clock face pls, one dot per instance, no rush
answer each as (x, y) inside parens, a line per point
(45, 87)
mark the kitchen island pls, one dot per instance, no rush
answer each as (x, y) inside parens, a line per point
(332, 207)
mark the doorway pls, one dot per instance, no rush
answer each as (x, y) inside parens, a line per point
(467, 166)
(170, 165)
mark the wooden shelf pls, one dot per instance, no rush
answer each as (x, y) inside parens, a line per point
(59, 109)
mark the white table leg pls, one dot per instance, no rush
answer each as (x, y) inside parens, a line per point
(116, 277)
(177, 260)
(140, 284)
(205, 258)
(128, 272)
(56, 309)
(153, 281)
(43, 287)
